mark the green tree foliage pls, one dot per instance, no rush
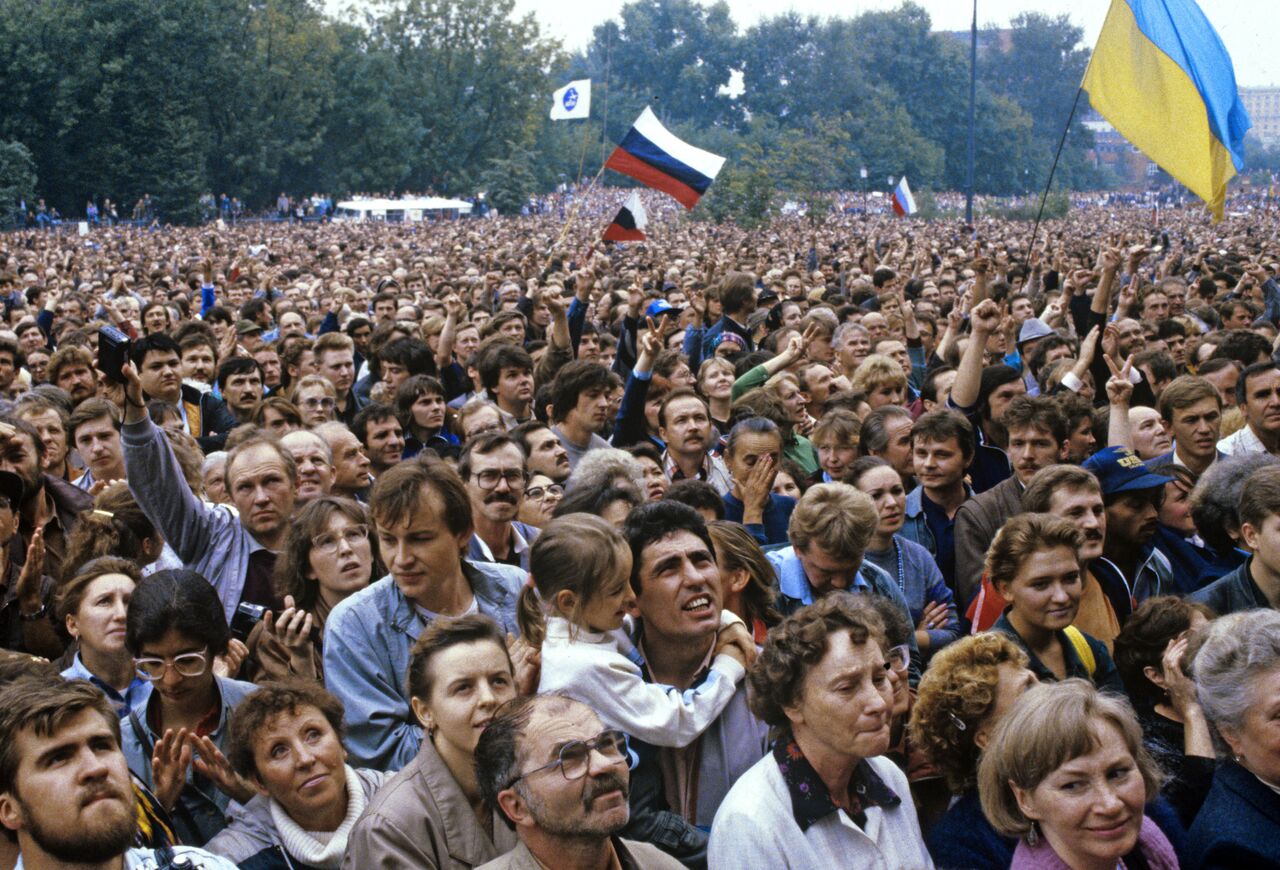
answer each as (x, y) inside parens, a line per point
(251, 97)
(17, 182)
(746, 191)
(897, 89)
(1038, 68)
(472, 77)
(176, 97)
(509, 181)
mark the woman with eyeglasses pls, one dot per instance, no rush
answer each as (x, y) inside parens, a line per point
(175, 629)
(541, 495)
(94, 605)
(431, 814)
(316, 399)
(328, 556)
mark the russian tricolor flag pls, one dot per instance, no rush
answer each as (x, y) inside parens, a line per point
(904, 203)
(650, 154)
(629, 224)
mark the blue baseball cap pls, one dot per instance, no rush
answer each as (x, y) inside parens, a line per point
(1119, 469)
(659, 307)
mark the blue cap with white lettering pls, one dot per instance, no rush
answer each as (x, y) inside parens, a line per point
(1119, 469)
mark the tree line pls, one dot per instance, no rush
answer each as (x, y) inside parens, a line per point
(252, 97)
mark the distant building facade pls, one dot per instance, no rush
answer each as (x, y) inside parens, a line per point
(1263, 106)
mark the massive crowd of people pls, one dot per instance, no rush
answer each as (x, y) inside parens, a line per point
(847, 541)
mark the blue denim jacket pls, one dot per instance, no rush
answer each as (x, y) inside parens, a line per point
(914, 525)
(201, 809)
(795, 592)
(367, 640)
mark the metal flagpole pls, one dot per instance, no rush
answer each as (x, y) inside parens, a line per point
(973, 114)
(604, 127)
(577, 206)
(1052, 169)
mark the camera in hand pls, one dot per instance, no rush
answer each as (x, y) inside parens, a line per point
(246, 617)
(113, 352)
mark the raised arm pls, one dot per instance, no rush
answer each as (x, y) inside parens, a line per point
(984, 320)
(1119, 393)
(453, 309)
(1109, 265)
(156, 480)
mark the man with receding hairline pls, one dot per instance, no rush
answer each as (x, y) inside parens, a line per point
(560, 779)
(234, 550)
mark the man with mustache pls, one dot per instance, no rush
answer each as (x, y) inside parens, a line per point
(65, 789)
(546, 455)
(493, 468)
(549, 767)
(1133, 496)
(684, 424)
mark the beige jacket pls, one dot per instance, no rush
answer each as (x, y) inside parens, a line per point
(421, 819)
(631, 856)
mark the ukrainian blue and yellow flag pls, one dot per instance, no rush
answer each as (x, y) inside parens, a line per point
(1164, 80)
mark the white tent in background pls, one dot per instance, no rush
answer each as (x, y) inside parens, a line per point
(415, 208)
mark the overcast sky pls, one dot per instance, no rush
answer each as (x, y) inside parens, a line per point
(1246, 26)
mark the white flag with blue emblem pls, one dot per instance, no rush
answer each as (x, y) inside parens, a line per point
(572, 101)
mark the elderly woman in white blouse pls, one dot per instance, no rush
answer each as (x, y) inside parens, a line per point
(825, 796)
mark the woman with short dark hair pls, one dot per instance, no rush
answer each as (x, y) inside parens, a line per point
(94, 607)
(1150, 654)
(175, 630)
(286, 739)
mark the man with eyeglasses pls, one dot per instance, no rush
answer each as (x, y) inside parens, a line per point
(493, 468)
(560, 780)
